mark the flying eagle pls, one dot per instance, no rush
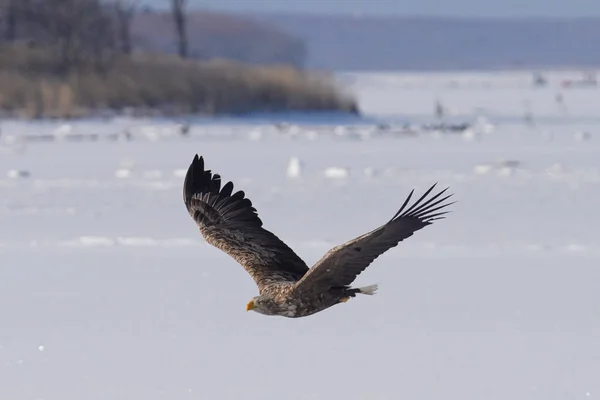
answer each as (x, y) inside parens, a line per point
(287, 287)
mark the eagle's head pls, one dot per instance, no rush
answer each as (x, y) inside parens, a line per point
(260, 305)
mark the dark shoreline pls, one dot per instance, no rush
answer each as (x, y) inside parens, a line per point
(159, 85)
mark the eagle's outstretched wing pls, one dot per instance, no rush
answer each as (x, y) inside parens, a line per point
(228, 221)
(342, 264)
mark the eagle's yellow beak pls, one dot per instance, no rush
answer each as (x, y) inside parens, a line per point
(250, 305)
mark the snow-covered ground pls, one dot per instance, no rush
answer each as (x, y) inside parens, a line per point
(107, 290)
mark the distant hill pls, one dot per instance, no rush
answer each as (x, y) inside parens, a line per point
(217, 35)
(429, 43)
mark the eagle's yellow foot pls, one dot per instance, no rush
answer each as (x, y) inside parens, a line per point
(344, 299)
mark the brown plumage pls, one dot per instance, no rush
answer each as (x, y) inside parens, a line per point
(287, 287)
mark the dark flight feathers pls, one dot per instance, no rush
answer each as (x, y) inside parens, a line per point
(342, 264)
(228, 221)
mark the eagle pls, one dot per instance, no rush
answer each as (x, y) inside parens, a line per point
(287, 287)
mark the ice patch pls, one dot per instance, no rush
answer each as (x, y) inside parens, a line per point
(136, 241)
(312, 135)
(575, 247)
(482, 169)
(255, 135)
(503, 168)
(470, 135)
(506, 172)
(340, 130)
(123, 173)
(90, 241)
(294, 169)
(18, 174)
(151, 133)
(336, 173)
(62, 131)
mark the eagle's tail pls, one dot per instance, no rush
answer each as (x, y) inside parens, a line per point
(370, 290)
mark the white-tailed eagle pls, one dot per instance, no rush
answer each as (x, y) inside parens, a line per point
(287, 287)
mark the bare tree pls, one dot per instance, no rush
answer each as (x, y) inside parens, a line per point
(81, 32)
(178, 7)
(8, 15)
(124, 13)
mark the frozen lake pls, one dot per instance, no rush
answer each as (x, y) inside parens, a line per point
(107, 290)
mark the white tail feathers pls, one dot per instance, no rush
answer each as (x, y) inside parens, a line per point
(370, 290)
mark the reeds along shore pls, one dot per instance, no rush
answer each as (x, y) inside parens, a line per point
(32, 85)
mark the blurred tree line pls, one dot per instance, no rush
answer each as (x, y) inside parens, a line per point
(70, 58)
(79, 33)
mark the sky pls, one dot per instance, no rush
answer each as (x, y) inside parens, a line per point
(464, 8)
